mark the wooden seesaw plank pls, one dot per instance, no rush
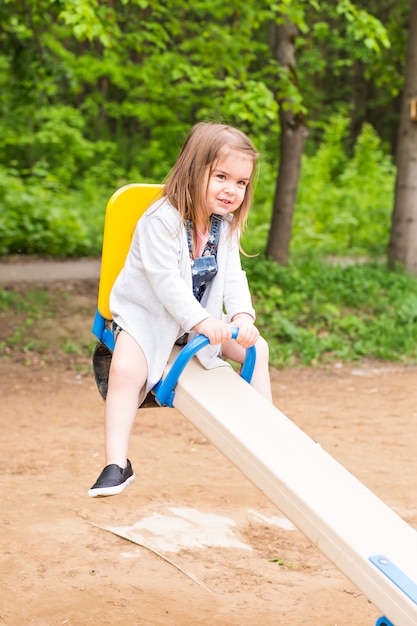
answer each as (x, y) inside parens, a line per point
(366, 540)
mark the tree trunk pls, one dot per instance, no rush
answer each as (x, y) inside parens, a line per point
(403, 241)
(293, 135)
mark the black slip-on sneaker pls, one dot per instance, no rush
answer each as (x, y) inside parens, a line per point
(112, 480)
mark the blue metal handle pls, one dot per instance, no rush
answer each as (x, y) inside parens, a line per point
(164, 390)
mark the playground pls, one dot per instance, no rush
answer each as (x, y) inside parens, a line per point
(204, 546)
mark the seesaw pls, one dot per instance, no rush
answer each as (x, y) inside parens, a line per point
(365, 539)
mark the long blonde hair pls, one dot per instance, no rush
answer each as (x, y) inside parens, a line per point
(186, 184)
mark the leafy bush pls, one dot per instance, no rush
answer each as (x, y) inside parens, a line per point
(313, 312)
(344, 204)
(40, 220)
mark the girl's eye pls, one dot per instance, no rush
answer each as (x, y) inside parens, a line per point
(221, 176)
(242, 183)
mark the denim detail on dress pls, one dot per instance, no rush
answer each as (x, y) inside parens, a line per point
(204, 268)
(115, 329)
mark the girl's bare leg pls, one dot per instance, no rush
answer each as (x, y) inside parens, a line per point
(128, 374)
(260, 379)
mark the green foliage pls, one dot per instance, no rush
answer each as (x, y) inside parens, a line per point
(313, 312)
(344, 203)
(37, 219)
(353, 54)
(94, 95)
(137, 74)
(363, 27)
(344, 206)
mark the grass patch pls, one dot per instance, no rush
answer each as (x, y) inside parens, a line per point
(314, 313)
(311, 313)
(48, 325)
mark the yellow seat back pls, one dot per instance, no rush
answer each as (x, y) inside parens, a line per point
(123, 210)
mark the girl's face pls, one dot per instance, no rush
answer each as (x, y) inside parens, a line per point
(227, 183)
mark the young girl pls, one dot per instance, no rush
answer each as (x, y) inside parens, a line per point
(181, 273)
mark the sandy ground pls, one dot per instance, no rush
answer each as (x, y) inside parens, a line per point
(214, 550)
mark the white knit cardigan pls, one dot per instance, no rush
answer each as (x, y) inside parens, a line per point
(152, 297)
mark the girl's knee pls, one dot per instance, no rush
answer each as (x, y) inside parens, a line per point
(119, 373)
(124, 373)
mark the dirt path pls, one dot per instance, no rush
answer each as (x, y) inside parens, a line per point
(34, 270)
(217, 552)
